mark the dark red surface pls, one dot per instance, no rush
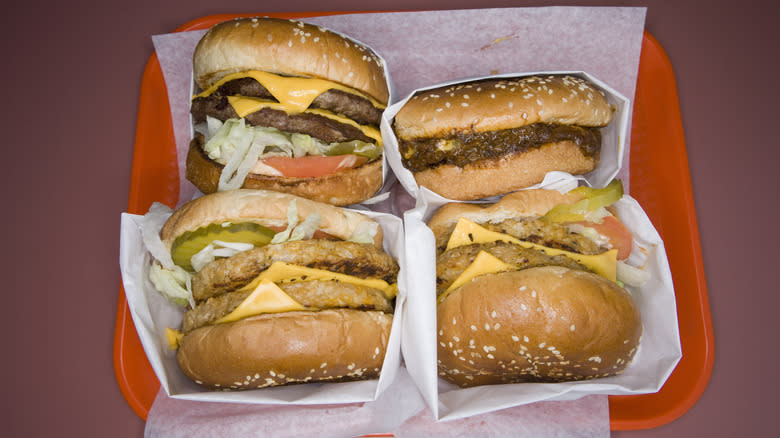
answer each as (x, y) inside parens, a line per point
(73, 73)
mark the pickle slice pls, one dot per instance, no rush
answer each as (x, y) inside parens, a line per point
(594, 200)
(191, 242)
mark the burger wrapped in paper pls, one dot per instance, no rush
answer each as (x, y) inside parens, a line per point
(287, 106)
(530, 288)
(491, 136)
(279, 289)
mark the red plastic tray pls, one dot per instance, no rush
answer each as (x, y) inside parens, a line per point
(660, 181)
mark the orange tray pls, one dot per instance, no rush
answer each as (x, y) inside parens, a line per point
(660, 181)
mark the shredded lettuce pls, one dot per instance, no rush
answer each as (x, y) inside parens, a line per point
(217, 248)
(294, 231)
(172, 284)
(630, 275)
(364, 232)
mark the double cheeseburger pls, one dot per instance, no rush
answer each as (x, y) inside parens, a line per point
(483, 138)
(286, 106)
(528, 289)
(283, 290)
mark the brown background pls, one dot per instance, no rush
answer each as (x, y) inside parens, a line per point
(72, 73)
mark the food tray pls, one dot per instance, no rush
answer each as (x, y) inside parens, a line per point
(660, 181)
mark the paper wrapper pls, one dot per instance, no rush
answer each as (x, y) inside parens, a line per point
(658, 353)
(152, 313)
(612, 144)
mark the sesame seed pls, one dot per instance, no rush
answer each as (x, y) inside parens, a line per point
(523, 306)
(571, 327)
(464, 104)
(474, 328)
(493, 314)
(323, 365)
(515, 338)
(376, 350)
(596, 359)
(522, 287)
(456, 339)
(542, 344)
(533, 293)
(453, 320)
(525, 338)
(496, 326)
(487, 326)
(511, 104)
(272, 373)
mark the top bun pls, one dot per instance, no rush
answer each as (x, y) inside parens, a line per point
(265, 208)
(520, 204)
(287, 47)
(498, 104)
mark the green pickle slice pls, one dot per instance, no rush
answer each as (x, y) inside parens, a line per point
(191, 242)
(594, 200)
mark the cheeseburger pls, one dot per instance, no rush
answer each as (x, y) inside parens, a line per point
(286, 106)
(488, 137)
(529, 289)
(279, 289)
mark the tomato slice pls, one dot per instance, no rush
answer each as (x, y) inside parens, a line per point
(311, 166)
(619, 236)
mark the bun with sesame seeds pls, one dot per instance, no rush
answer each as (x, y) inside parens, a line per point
(288, 106)
(529, 290)
(488, 137)
(277, 288)
(542, 324)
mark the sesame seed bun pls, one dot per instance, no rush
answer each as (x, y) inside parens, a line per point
(502, 104)
(263, 207)
(544, 324)
(287, 47)
(456, 140)
(293, 347)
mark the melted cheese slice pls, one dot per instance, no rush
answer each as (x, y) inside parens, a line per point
(295, 94)
(281, 272)
(467, 232)
(266, 298)
(484, 263)
(247, 105)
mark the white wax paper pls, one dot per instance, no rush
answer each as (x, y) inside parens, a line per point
(612, 144)
(659, 350)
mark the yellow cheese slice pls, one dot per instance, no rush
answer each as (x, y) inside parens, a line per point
(295, 94)
(247, 105)
(266, 298)
(174, 337)
(467, 232)
(484, 263)
(281, 272)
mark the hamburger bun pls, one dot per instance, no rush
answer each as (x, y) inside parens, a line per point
(287, 47)
(264, 207)
(484, 138)
(543, 324)
(293, 347)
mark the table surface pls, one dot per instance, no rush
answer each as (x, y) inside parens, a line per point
(71, 178)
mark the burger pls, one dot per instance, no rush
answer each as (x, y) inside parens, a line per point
(530, 289)
(278, 289)
(286, 106)
(488, 137)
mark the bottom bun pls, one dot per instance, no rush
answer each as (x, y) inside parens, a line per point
(293, 347)
(349, 186)
(546, 324)
(496, 176)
